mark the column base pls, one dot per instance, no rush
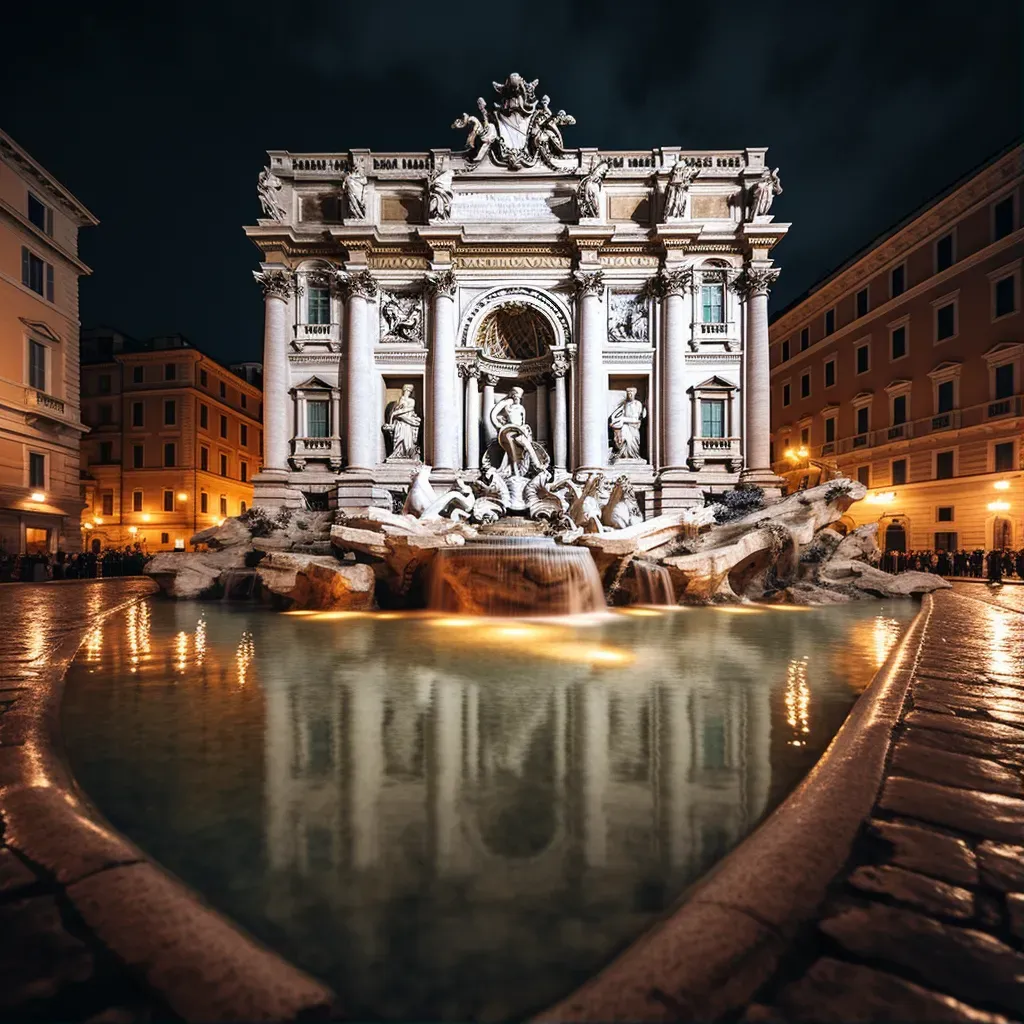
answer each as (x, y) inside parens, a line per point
(357, 489)
(676, 488)
(270, 489)
(771, 484)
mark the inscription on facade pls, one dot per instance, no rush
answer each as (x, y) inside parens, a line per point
(475, 207)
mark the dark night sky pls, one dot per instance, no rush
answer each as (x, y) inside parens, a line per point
(158, 116)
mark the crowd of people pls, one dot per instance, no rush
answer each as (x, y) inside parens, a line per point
(976, 564)
(86, 565)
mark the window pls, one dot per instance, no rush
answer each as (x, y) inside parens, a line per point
(944, 253)
(243, 471)
(107, 503)
(711, 299)
(805, 339)
(106, 411)
(36, 469)
(316, 418)
(168, 502)
(37, 365)
(223, 426)
(785, 351)
(945, 542)
(1005, 296)
(864, 475)
(169, 454)
(170, 371)
(861, 302)
(945, 321)
(712, 418)
(204, 502)
(223, 465)
(805, 436)
(830, 321)
(944, 465)
(202, 378)
(165, 538)
(170, 413)
(899, 471)
(318, 310)
(830, 373)
(223, 505)
(863, 358)
(897, 280)
(204, 416)
(898, 342)
(785, 394)
(1003, 457)
(863, 419)
(36, 274)
(242, 508)
(106, 452)
(137, 374)
(204, 459)
(136, 501)
(1002, 218)
(243, 400)
(40, 214)
(945, 393)
(1004, 381)
(243, 434)
(223, 390)
(805, 385)
(104, 383)
(899, 410)
(138, 414)
(830, 430)
(138, 456)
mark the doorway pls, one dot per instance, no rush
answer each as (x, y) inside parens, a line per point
(1002, 534)
(895, 537)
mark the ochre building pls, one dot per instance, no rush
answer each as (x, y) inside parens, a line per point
(622, 294)
(40, 423)
(905, 370)
(174, 440)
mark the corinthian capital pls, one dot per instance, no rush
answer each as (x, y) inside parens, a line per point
(467, 370)
(559, 366)
(757, 280)
(675, 282)
(442, 283)
(276, 284)
(361, 284)
(589, 282)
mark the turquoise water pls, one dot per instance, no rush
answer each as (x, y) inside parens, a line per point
(451, 818)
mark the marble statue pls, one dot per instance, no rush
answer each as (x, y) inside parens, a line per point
(588, 191)
(354, 185)
(522, 453)
(404, 427)
(482, 133)
(621, 509)
(628, 318)
(402, 317)
(424, 502)
(440, 192)
(268, 185)
(763, 193)
(625, 422)
(677, 190)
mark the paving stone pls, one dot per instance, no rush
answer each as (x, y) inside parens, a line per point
(988, 815)
(941, 689)
(1015, 908)
(955, 769)
(1002, 866)
(38, 957)
(997, 732)
(933, 706)
(835, 991)
(1005, 753)
(14, 874)
(927, 851)
(919, 891)
(961, 962)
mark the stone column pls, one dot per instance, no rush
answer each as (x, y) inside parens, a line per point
(489, 383)
(444, 403)
(593, 386)
(675, 285)
(471, 373)
(560, 413)
(444, 775)
(366, 777)
(335, 429)
(541, 432)
(277, 285)
(361, 426)
(755, 283)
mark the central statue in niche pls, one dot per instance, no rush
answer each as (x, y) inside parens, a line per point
(522, 455)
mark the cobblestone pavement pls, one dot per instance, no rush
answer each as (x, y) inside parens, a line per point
(51, 966)
(927, 921)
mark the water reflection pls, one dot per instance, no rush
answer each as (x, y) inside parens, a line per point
(448, 817)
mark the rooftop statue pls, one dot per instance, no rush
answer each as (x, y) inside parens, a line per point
(678, 189)
(588, 191)
(268, 185)
(763, 192)
(354, 185)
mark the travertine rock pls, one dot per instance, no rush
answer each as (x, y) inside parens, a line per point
(317, 581)
(191, 574)
(228, 534)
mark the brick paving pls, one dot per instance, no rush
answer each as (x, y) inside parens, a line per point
(926, 922)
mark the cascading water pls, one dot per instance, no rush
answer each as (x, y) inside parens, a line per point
(515, 576)
(653, 583)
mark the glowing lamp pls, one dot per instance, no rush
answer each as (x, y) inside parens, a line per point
(881, 498)
(86, 526)
(97, 521)
(37, 496)
(145, 517)
(1002, 485)
(133, 530)
(182, 496)
(998, 506)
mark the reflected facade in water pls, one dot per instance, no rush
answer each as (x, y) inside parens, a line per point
(456, 818)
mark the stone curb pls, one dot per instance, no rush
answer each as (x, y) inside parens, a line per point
(200, 964)
(732, 928)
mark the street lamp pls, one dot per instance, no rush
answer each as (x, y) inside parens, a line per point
(133, 530)
(182, 496)
(1002, 485)
(37, 496)
(881, 498)
(999, 506)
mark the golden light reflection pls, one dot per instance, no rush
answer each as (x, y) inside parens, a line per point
(181, 651)
(335, 616)
(735, 609)
(595, 655)
(798, 702)
(94, 643)
(200, 640)
(640, 613)
(244, 655)
(886, 634)
(138, 634)
(1000, 659)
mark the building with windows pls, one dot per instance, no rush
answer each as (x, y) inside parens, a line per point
(905, 369)
(175, 439)
(409, 295)
(40, 425)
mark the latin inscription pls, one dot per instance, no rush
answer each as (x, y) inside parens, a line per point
(481, 207)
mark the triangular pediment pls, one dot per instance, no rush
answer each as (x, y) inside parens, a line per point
(1002, 350)
(313, 383)
(41, 328)
(715, 383)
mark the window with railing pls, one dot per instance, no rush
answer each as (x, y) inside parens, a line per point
(37, 365)
(1004, 381)
(318, 305)
(712, 418)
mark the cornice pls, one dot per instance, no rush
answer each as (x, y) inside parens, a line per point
(42, 239)
(11, 152)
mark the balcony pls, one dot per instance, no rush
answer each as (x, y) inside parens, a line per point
(709, 332)
(1003, 407)
(319, 449)
(716, 449)
(44, 406)
(828, 448)
(312, 333)
(898, 432)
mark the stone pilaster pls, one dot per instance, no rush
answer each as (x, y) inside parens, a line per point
(361, 419)
(593, 385)
(676, 285)
(444, 401)
(560, 413)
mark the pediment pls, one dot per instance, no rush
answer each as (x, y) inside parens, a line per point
(313, 383)
(897, 385)
(42, 328)
(1002, 350)
(863, 396)
(948, 368)
(715, 383)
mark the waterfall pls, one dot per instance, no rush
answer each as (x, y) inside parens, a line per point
(238, 583)
(515, 576)
(653, 584)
